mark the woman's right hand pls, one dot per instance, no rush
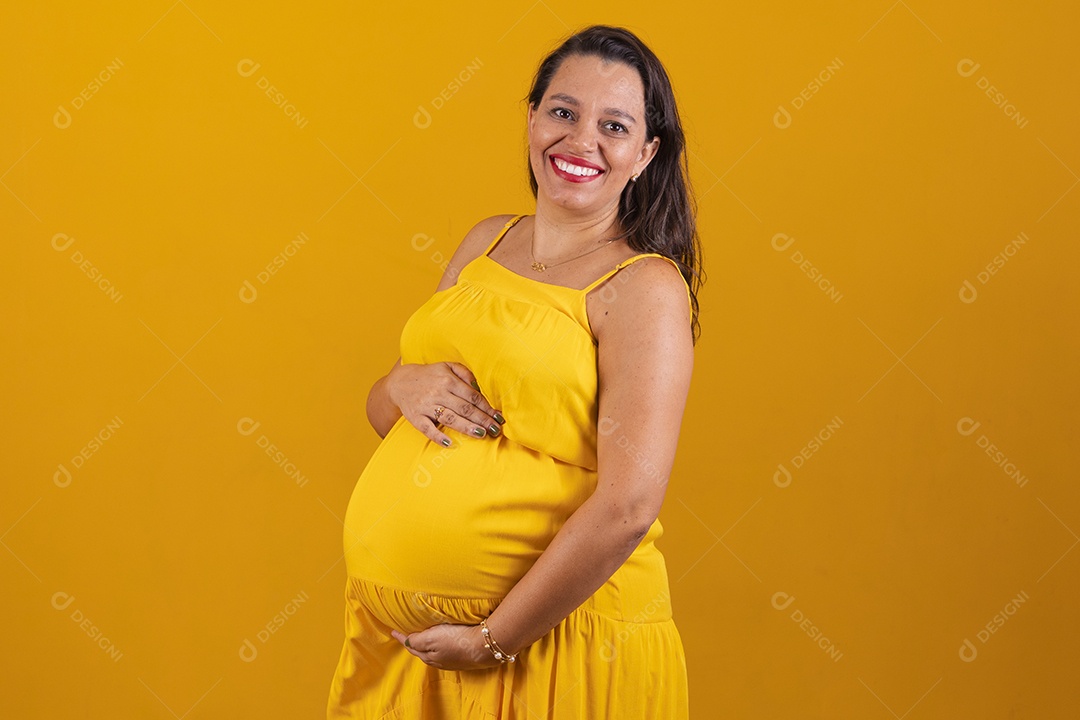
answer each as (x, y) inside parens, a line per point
(418, 390)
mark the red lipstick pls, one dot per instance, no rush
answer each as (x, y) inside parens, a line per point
(571, 177)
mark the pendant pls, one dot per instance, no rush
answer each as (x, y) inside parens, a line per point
(538, 266)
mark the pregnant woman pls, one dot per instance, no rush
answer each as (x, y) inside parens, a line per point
(500, 543)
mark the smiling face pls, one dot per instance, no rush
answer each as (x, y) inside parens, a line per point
(587, 135)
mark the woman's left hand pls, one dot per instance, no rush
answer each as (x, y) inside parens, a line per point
(449, 647)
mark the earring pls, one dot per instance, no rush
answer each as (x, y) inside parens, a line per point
(635, 177)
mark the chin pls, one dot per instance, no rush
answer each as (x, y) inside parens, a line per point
(570, 198)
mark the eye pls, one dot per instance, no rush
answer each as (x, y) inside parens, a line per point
(562, 113)
(616, 127)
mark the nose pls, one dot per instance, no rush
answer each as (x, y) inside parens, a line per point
(582, 137)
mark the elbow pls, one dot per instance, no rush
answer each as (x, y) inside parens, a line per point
(634, 534)
(629, 510)
(633, 521)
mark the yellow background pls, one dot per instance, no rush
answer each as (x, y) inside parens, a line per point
(897, 537)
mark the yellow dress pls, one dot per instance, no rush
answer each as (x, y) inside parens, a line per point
(440, 535)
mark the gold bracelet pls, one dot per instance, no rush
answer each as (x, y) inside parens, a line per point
(490, 644)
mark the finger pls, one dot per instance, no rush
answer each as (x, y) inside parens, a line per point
(406, 641)
(472, 393)
(464, 373)
(481, 422)
(471, 406)
(429, 428)
(456, 420)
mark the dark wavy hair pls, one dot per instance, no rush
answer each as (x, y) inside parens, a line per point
(657, 213)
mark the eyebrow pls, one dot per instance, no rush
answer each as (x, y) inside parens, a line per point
(570, 100)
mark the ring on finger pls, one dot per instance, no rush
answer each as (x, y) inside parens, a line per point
(439, 410)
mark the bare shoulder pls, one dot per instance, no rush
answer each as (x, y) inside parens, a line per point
(647, 295)
(472, 245)
(483, 232)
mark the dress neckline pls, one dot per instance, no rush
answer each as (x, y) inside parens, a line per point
(532, 280)
(583, 291)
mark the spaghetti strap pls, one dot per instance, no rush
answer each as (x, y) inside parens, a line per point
(502, 232)
(623, 264)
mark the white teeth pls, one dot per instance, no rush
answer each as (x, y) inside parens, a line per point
(575, 169)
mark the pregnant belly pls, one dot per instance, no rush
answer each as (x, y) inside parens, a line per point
(465, 521)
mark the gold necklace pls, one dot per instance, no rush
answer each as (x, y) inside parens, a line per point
(541, 267)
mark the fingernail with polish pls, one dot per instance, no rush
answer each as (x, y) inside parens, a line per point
(499, 418)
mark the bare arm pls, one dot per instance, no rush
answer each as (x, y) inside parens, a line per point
(645, 364)
(382, 413)
(404, 383)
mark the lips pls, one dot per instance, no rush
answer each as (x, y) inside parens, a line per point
(575, 169)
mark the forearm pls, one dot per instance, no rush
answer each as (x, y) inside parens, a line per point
(382, 413)
(588, 549)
